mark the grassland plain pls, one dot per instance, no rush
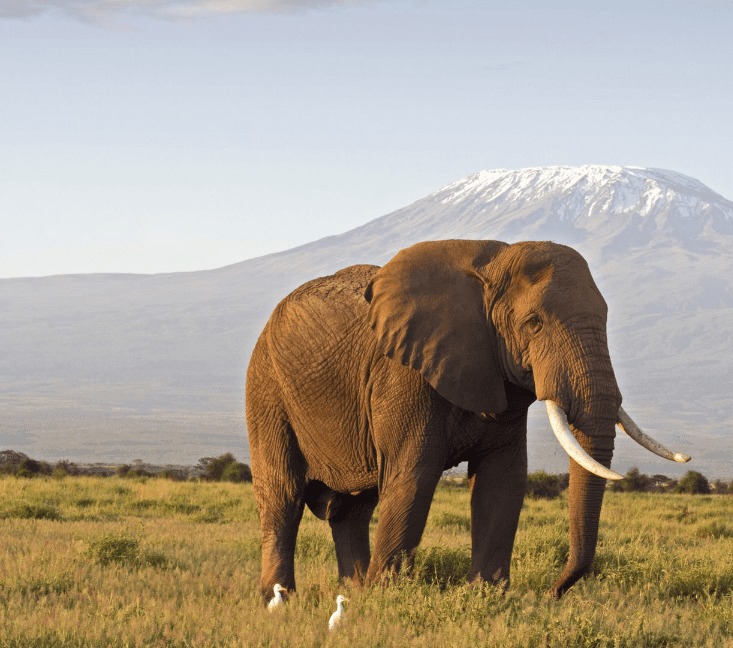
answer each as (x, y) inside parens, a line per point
(113, 562)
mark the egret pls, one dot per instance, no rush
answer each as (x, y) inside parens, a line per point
(338, 615)
(278, 600)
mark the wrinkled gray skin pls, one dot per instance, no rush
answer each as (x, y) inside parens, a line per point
(366, 385)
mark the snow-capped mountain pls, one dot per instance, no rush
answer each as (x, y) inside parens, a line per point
(158, 361)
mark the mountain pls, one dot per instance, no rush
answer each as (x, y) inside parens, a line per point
(117, 367)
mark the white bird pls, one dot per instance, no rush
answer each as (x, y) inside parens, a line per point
(278, 600)
(338, 615)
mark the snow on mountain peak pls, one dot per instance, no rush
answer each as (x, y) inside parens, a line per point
(569, 193)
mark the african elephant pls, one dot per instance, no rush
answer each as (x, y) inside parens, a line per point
(366, 385)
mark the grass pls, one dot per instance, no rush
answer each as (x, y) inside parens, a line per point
(110, 562)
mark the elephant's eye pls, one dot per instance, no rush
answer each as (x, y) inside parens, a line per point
(534, 324)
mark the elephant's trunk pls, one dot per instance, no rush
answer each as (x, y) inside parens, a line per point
(585, 499)
(585, 390)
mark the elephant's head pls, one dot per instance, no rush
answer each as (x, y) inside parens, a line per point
(470, 315)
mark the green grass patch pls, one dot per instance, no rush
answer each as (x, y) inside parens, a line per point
(29, 511)
(121, 548)
(448, 520)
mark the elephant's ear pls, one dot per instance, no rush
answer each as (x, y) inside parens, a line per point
(427, 309)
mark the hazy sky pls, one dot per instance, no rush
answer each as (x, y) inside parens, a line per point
(169, 135)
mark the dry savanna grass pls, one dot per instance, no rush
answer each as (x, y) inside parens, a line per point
(112, 562)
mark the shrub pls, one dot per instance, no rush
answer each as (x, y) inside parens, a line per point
(122, 548)
(68, 467)
(172, 475)
(25, 511)
(24, 472)
(720, 487)
(693, 483)
(215, 467)
(633, 482)
(59, 472)
(661, 483)
(542, 485)
(237, 472)
(138, 472)
(30, 467)
(117, 547)
(10, 460)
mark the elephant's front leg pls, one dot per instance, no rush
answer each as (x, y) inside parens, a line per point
(498, 482)
(404, 504)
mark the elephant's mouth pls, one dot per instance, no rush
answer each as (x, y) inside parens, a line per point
(561, 428)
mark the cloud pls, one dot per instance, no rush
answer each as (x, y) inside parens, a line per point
(107, 11)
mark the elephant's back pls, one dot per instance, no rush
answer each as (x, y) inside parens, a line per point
(333, 303)
(340, 288)
(322, 326)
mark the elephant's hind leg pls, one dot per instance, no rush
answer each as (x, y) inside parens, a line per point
(280, 518)
(278, 475)
(349, 516)
(350, 531)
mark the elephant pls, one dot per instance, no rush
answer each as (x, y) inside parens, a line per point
(366, 385)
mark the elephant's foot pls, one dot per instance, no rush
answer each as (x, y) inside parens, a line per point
(499, 579)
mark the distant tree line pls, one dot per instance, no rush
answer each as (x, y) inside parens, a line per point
(222, 468)
(226, 468)
(543, 485)
(692, 482)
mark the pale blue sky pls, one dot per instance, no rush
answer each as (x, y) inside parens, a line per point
(171, 135)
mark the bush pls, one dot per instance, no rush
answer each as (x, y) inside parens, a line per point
(721, 487)
(634, 482)
(237, 472)
(693, 483)
(25, 511)
(122, 548)
(59, 472)
(542, 485)
(661, 483)
(66, 467)
(172, 475)
(215, 467)
(115, 547)
(24, 472)
(30, 467)
(138, 472)
(10, 460)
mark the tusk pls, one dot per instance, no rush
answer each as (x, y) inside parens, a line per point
(626, 423)
(569, 443)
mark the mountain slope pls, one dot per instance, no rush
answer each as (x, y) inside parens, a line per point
(102, 367)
